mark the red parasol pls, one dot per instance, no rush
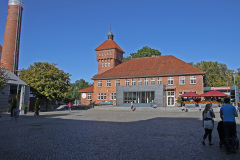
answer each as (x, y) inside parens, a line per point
(214, 94)
(190, 94)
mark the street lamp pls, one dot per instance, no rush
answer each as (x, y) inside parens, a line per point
(234, 76)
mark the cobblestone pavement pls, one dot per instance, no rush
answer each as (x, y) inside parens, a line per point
(110, 133)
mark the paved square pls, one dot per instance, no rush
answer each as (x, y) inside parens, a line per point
(114, 134)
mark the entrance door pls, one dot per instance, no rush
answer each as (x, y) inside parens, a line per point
(170, 98)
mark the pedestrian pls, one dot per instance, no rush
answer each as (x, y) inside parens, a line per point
(155, 105)
(132, 106)
(228, 114)
(200, 107)
(183, 108)
(208, 123)
(69, 106)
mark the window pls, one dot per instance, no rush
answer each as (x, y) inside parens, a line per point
(113, 96)
(99, 83)
(111, 53)
(180, 93)
(170, 80)
(108, 83)
(145, 81)
(107, 53)
(182, 80)
(133, 82)
(152, 81)
(139, 97)
(117, 82)
(193, 80)
(139, 81)
(127, 82)
(108, 64)
(102, 64)
(98, 96)
(89, 96)
(102, 54)
(105, 64)
(101, 95)
(159, 81)
(105, 95)
(99, 54)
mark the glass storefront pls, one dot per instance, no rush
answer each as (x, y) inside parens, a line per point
(139, 97)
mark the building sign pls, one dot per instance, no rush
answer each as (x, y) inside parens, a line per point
(220, 88)
(84, 95)
(106, 102)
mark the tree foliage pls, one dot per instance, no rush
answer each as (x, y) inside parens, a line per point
(144, 52)
(3, 78)
(216, 74)
(75, 87)
(46, 80)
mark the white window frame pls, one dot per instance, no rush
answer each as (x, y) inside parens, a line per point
(105, 96)
(117, 82)
(180, 93)
(108, 64)
(100, 83)
(145, 81)
(101, 96)
(127, 82)
(105, 64)
(193, 80)
(99, 54)
(159, 81)
(133, 82)
(182, 80)
(89, 96)
(102, 64)
(98, 96)
(152, 81)
(170, 80)
(139, 81)
(113, 96)
(108, 83)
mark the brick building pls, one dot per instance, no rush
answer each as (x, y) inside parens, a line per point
(157, 79)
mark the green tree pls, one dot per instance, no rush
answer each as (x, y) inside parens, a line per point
(144, 52)
(216, 74)
(75, 87)
(3, 78)
(46, 81)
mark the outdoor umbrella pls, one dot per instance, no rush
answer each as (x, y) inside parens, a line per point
(214, 94)
(190, 94)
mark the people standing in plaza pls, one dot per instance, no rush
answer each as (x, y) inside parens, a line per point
(69, 106)
(228, 114)
(183, 108)
(208, 123)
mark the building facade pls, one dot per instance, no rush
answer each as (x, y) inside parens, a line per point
(157, 79)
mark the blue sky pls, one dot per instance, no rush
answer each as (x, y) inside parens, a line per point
(66, 32)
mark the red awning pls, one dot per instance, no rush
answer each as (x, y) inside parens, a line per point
(214, 94)
(190, 94)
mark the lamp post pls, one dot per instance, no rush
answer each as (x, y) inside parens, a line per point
(234, 76)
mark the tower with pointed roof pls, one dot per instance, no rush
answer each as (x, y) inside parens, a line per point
(109, 54)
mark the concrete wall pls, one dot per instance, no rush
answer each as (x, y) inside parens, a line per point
(158, 89)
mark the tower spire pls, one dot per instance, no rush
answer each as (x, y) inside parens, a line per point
(110, 34)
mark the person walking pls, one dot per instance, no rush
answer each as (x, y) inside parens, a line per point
(132, 106)
(208, 123)
(228, 114)
(69, 106)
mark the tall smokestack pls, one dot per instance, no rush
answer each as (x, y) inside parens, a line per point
(11, 41)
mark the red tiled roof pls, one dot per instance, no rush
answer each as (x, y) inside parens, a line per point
(89, 89)
(108, 44)
(150, 66)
